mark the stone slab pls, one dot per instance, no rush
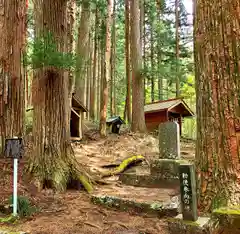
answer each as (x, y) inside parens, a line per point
(178, 225)
(166, 168)
(169, 140)
(145, 201)
(148, 181)
(156, 209)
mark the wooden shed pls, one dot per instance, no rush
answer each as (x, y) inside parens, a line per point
(114, 123)
(166, 110)
(77, 110)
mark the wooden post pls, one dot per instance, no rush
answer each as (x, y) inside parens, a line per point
(180, 124)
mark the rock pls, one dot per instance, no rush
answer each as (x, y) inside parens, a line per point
(178, 225)
(169, 140)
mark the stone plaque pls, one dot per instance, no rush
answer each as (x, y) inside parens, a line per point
(169, 140)
(13, 148)
(188, 192)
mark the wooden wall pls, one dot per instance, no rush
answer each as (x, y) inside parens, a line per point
(154, 119)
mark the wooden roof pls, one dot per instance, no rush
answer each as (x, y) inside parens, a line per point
(115, 119)
(76, 102)
(168, 105)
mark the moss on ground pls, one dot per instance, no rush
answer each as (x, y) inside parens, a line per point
(235, 210)
(183, 222)
(123, 165)
(9, 219)
(10, 231)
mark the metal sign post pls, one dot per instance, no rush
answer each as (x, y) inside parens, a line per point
(15, 180)
(14, 149)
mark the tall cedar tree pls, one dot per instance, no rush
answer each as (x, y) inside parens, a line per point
(138, 119)
(82, 50)
(72, 8)
(177, 47)
(128, 109)
(52, 161)
(12, 45)
(89, 74)
(217, 43)
(106, 76)
(152, 52)
(93, 92)
(113, 63)
(159, 55)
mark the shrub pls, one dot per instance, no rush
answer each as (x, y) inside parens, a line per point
(25, 209)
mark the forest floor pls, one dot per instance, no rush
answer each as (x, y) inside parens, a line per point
(73, 211)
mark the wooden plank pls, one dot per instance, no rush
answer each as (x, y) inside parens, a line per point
(76, 138)
(75, 113)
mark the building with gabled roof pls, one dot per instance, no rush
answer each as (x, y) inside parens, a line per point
(167, 110)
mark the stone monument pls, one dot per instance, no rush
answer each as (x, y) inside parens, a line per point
(166, 167)
(188, 221)
(188, 192)
(169, 140)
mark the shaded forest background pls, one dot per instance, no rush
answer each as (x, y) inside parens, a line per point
(167, 52)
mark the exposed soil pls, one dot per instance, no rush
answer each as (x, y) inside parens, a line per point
(73, 211)
(115, 148)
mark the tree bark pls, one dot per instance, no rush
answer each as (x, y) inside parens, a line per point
(82, 50)
(144, 47)
(159, 55)
(217, 42)
(71, 25)
(177, 48)
(113, 62)
(52, 161)
(94, 77)
(138, 118)
(89, 75)
(152, 59)
(12, 85)
(107, 67)
(128, 109)
(99, 59)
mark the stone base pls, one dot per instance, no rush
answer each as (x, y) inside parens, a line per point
(148, 181)
(178, 225)
(155, 209)
(227, 220)
(166, 168)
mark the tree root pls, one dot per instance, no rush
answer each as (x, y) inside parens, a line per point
(58, 169)
(92, 225)
(86, 184)
(118, 223)
(124, 165)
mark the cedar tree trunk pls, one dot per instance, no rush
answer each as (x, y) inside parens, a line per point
(138, 119)
(12, 86)
(217, 56)
(107, 68)
(52, 161)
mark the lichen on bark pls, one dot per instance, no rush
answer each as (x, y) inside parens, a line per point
(12, 47)
(217, 43)
(52, 161)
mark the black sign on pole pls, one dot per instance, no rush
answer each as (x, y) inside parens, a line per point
(13, 148)
(188, 192)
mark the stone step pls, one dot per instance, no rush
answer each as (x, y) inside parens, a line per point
(148, 180)
(150, 202)
(10, 232)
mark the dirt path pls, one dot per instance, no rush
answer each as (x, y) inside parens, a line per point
(73, 213)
